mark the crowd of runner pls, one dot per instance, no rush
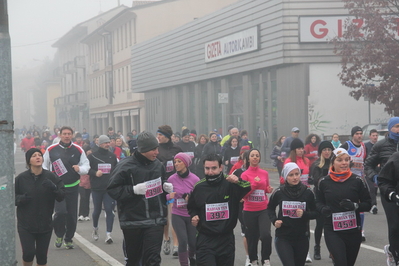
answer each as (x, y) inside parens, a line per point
(183, 192)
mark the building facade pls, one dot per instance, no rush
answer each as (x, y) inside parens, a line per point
(263, 66)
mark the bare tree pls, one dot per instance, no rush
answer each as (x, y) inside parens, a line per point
(369, 48)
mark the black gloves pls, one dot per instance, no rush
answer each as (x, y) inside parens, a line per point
(348, 205)
(25, 198)
(394, 198)
(326, 211)
(47, 183)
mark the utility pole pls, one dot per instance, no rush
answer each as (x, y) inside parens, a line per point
(7, 208)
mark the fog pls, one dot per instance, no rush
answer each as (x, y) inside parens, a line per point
(36, 25)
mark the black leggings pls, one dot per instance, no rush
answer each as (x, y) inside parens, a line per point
(318, 231)
(186, 234)
(392, 214)
(292, 252)
(343, 246)
(257, 227)
(34, 244)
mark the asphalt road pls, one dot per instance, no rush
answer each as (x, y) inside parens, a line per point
(88, 252)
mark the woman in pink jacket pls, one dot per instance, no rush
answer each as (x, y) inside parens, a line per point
(256, 219)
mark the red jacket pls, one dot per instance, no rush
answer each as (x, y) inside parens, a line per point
(26, 143)
(311, 152)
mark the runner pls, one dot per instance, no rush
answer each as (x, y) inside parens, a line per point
(340, 197)
(213, 207)
(183, 182)
(256, 219)
(296, 207)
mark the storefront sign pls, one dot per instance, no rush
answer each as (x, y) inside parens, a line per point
(325, 28)
(237, 43)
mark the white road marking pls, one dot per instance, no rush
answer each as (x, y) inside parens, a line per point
(365, 246)
(99, 252)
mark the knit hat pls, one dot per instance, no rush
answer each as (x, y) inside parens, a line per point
(244, 148)
(340, 151)
(146, 142)
(185, 132)
(393, 121)
(356, 129)
(166, 131)
(288, 167)
(29, 154)
(103, 139)
(230, 127)
(184, 158)
(325, 144)
(296, 144)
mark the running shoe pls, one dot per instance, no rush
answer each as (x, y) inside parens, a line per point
(68, 245)
(81, 218)
(166, 247)
(266, 263)
(308, 259)
(95, 234)
(247, 262)
(58, 242)
(390, 259)
(374, 209)
(175, 249)
(87, 218)
(108, 239)
(363, 236)
(316, 255)
(254, 263)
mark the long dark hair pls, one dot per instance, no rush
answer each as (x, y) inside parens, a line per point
(247, 157)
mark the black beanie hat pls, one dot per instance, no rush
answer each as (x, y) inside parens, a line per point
(29, 154)
(356, 129)
(185, 132)
(325, 144)
(146, 141)
(296, 144)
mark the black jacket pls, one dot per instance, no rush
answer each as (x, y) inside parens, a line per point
(135, 211)
(230, 152)
(379, 155)
(101, 156)
(211, 148)
(167, 152)
(292, 228)
(316, 172)
(330, 193)
(35, 214)
(389, 177)
(221, 192)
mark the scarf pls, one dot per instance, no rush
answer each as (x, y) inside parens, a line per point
(341, 176)
(183, 175)
(293, 192)
(394, 136)
(336, 143)
(213, 180)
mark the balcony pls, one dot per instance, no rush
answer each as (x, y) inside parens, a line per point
(80, 62)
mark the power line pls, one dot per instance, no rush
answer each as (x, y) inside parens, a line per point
(30, 44)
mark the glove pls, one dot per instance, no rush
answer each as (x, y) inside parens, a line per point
(326, 211)
(25, 198)
(348, 205)
(310, 181)
(168, 187)
(185, 195)
(140, 189)
(394, 198)
(47, 183)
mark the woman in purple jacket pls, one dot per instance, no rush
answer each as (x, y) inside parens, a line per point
(183, 184)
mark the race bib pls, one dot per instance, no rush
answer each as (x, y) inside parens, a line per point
(181, 203)
(344, 220)
(304, 179)
(258, 195)
(190, 153)
(59, 167)
(154, 188)
(217, 211)
(104, 167)
(169, 166)
(289, 208)
(234, 160)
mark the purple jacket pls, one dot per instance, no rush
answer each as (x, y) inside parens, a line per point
(181, 185)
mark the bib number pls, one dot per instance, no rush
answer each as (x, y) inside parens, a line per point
(154, 188)
(289, 208)
(258, 195)
(217, 211)
(344, 221)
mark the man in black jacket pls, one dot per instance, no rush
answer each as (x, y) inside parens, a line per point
(139, 186)
(102, 163)
(213, 207)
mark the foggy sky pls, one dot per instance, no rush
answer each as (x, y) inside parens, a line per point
(44, 21)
